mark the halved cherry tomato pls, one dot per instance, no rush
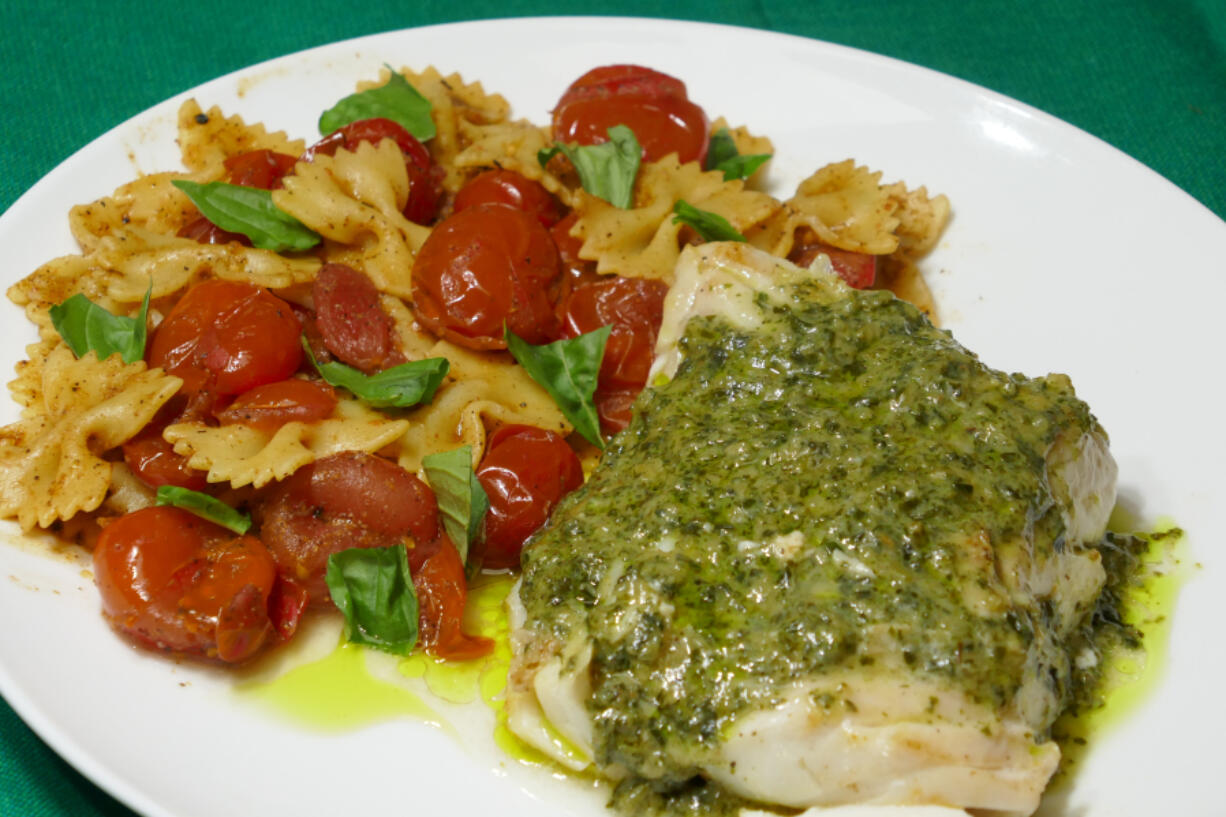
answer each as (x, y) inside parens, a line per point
(425, 177)
(441, 595)
(500, 186)
(857, 269)
(567, 244)
(175, 582)
(613, 407)
(482, 268)
(155, 462)
(343, 501)
(153, 459)
(652, 104)
(227, 336)
(257, 168)
(353, 324)
(525, 472)
(272, 405)
(634, 308)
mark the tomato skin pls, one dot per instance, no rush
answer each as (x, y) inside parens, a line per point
(613, 407)
(442, 592)
(525, 473)
(272, 405)
(227, 336)
(513, 189)
(634, 308)
(567, 244)
(652, 104)
(482, 267)
(259, 168)
(172, 581)
(425, 177)
(353, 324)
(857, 269)
(155, 463)
(606, 81)
(346, 500)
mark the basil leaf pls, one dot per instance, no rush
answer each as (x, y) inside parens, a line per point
(711, 226)
(606, 170)
(723, 155)
(374, 590)
(398, 387)
(461, 499)
(85, 326)
(568, 370)
(396, 100)
(205, 507)
(250, 211)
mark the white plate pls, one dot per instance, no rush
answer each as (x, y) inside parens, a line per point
(1063, 255)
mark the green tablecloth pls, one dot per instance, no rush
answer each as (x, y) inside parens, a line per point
(1147, 76)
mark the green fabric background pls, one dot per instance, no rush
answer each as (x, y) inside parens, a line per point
(1147, 76)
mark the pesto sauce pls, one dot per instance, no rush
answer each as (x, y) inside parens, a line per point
(869, 447)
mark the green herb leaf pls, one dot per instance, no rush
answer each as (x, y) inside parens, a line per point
(711, 226)
(374, 590)
(606, 170)
(722, 155)
(204, 506)
(461, 499)
(85, 326)
(568, 370)
(396, 100)
(398, 387)
(250, 211)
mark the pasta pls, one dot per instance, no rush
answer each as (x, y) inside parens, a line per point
(333, 248)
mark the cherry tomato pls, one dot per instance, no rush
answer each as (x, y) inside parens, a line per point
(425, 177)
(634, 307)
(203, 231)
(175, 582)
(652, 104)
(613, 407)
(441, 595)
(155, 462)
(567, 244)
(525, 472)
(272, 405)
(259, 168)
(500, 186)
(286, 605)
(227, 336)
(857, 269)
(342, 501)
(353, 324)
(482, 268)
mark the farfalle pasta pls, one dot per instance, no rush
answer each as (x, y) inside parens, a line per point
(330, 337)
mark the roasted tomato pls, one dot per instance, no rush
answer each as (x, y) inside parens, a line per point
(353, 325)
(525, 472)
(272, 405)
(653, 105)
(257, 168)
(228, 337)
(482, 268)
(441, 595)
(339, 502)
(857, 269)
(175, 582)
(425, 177)
(507, 187)
(153, 459)
(633, 307)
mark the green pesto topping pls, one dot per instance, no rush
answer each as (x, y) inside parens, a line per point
(822, 493)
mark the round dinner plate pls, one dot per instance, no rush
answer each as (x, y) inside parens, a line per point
(1063, 254)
